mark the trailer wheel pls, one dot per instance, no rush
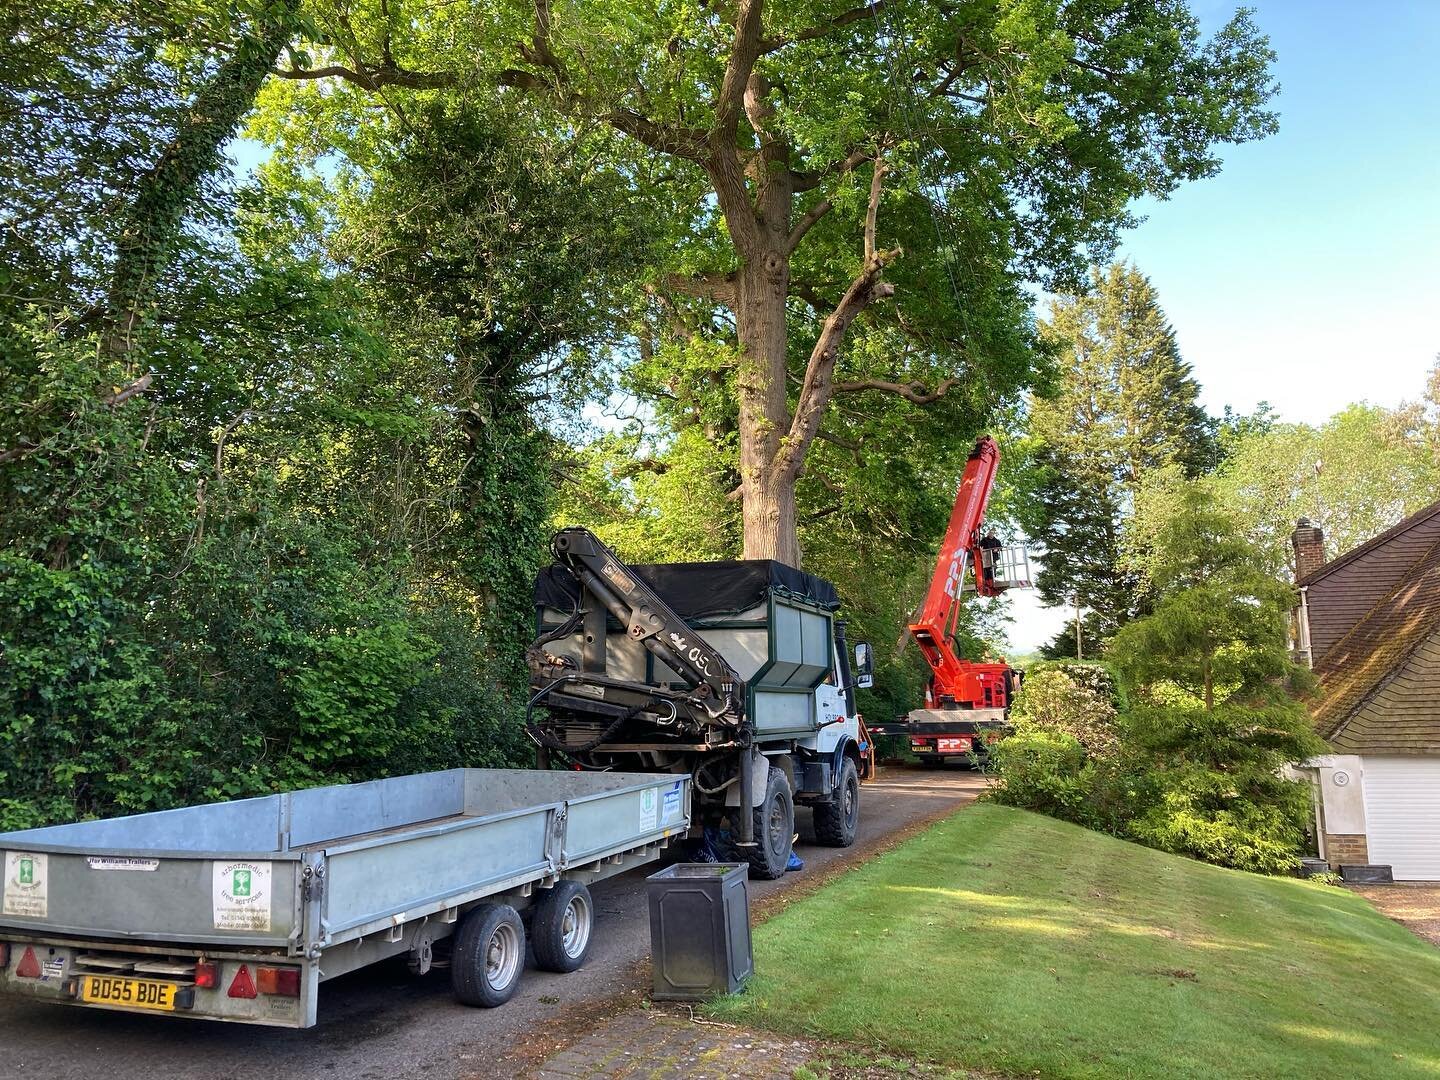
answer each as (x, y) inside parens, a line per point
(837, 821)
(560, 927)
(774, 830)
(489, 956)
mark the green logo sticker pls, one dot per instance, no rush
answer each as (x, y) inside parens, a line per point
(241, 884)
(27, 871)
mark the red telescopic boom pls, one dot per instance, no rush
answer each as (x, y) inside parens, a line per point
(955, 680)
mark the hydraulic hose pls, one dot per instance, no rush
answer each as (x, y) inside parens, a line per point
(543, 738)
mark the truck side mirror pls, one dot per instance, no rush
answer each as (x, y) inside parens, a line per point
(864, 666)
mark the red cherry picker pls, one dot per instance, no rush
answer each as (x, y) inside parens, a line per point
(965, 700)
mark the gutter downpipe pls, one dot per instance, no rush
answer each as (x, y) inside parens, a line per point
(1303, 628)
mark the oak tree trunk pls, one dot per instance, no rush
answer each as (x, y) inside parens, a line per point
(761, 287)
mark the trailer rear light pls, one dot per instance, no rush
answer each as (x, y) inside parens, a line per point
(207, 974)
(283, 981)
(242, 986)
(4, 955)
(29, 966)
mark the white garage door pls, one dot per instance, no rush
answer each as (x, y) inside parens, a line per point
(1402, 815)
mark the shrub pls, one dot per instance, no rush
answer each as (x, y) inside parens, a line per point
(1053, 700)
(1044, 770)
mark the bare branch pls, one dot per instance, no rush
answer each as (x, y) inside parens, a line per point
(818, 387)
(913, 392)
(646, 464)
(712, 286)
(813, 178)
(744, 51)
(682, 142)
(819, 30)
(843, 443)
(804, 290)
(139, 386)
(877, 180)
(239, 418)
(368, 78)
(814, 214)
(119, 397)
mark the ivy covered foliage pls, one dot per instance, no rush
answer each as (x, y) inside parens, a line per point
(190, 622)
(273, 462)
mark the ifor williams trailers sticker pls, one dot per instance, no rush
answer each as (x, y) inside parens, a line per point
(671, 809)
(241, 896)
(27, 889)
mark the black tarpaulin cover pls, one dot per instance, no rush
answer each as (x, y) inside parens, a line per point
(701, 590)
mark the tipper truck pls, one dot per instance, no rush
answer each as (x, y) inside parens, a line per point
(734, 674)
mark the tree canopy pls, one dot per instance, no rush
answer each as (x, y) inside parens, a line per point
(845, 200)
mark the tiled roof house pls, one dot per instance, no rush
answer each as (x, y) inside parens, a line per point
(1369, 623)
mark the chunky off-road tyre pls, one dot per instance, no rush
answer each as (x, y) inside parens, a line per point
(488, 957)
(774, 830)
(561, 926)
(838, 821)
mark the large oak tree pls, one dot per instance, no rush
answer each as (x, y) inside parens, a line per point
(899, 166)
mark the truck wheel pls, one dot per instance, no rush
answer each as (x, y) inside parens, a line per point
(560, 928)
(774, 830)
(489, 956)
(837, 821)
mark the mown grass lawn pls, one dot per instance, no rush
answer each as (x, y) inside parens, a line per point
(1006, 941)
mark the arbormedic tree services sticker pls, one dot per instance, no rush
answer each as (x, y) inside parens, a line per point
(242, 896)
(26, 885)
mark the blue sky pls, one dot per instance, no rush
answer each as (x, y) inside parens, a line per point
(1307, 273)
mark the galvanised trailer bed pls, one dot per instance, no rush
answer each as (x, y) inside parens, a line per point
(240, 910)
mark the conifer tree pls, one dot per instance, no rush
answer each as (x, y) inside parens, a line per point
(1125, 405)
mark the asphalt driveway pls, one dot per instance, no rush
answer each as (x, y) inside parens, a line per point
(383, 1024)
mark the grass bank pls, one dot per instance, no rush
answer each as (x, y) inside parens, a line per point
(1006, 941)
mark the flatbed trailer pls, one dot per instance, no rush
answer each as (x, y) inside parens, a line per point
(239, 911)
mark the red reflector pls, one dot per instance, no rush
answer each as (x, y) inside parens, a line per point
(243, 986)
(207, 974)
(29, 967)
(284, 981)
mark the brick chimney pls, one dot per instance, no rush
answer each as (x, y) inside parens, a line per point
(1309, 544)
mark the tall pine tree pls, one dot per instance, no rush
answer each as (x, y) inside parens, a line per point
(1125, 404)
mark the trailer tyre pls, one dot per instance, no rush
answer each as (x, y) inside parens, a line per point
(774, 830)
(488, 956)
(560, 928)
(838, 821)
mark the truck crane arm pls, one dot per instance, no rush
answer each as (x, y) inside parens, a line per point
(716, 693)
(647, 619)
